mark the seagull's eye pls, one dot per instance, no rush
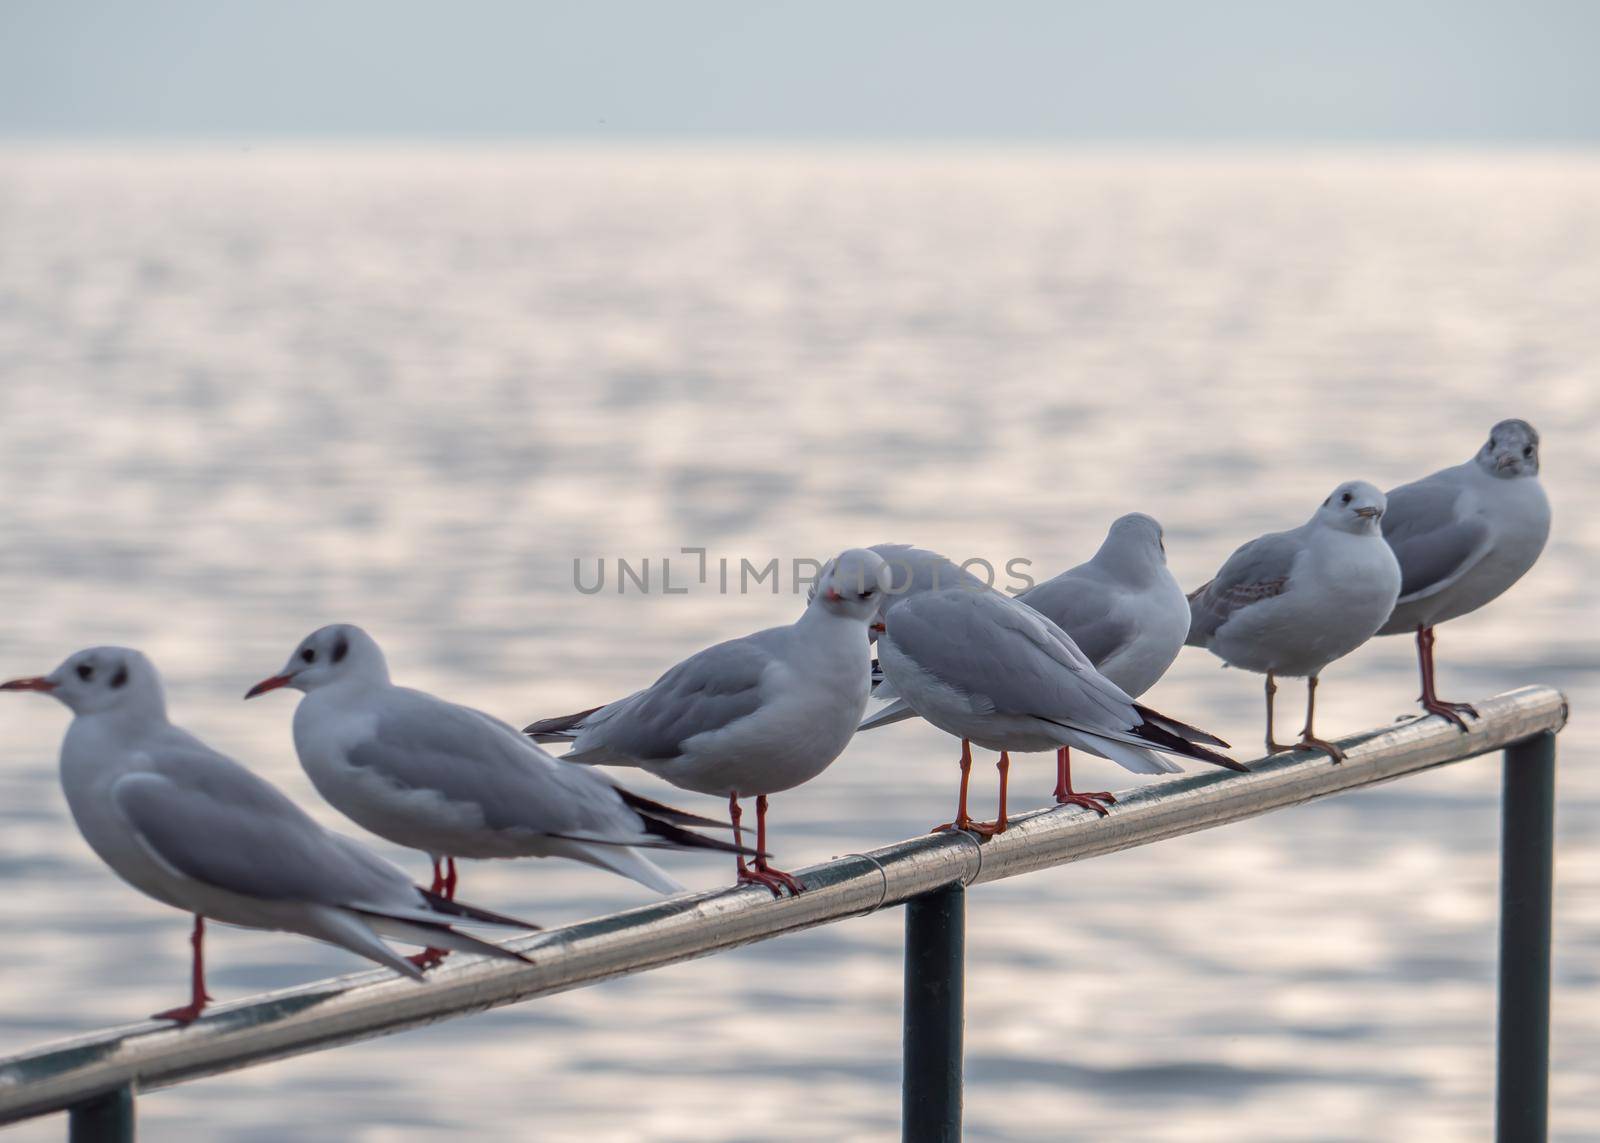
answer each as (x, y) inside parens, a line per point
(1345, 499)
(85, 672)
(309, 655)
(1527, 450)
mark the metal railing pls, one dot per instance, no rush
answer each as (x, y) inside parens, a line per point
(94, 1077)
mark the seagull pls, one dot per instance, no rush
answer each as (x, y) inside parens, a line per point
(1126, 614)
(753, 716)
(196, 830)
(1122, 609)
(987, 669)
(1290, 603)
(455, 782)
(1463, 536)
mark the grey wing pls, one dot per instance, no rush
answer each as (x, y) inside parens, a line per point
(1432, 542)
(205, 816)
(1258, 570)
(1085, 609)
(1008, 657)
(469, 758)
(706, 692)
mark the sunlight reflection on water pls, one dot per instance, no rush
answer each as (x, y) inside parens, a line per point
(251, 392)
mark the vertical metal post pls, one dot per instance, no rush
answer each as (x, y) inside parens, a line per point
(106, 1118)
(1526, 880)
(930, 1099)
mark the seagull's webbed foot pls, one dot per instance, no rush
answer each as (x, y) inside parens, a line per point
(760, 873)
(1312, 742)
(1281, 747)
(428, 958)
(1451, 711)
(984, 830)
(1097, 800)
(188, 1014)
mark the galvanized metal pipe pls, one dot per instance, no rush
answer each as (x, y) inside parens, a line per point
(1527, 878)
(341, 1010)
(930, 1086)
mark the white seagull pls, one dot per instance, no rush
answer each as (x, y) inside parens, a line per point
(1122, 609)
(1290, 603)
(753, 716)
(455, 782)
(1463, 536)
(1126, 614)
(197, 831)
(988, 669)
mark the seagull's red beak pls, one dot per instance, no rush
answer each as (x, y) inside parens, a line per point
(266, 685)
(37, 683)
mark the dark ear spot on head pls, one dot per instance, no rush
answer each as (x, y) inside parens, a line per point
(341, 649)
(120, 679)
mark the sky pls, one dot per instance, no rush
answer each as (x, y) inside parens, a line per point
(1248, 71)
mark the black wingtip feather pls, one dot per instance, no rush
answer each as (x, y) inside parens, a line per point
(1181, 729)
(556, 729)
(678, 838)
(660, 810)
(472, 913)
(1160, 736)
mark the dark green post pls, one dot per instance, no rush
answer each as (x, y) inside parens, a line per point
(106, 1118)
(1527, 877)
(931, 1086)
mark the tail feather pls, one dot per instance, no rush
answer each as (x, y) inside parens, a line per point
(663, 812)
(897, 711)
(352, 929)
(623, 859)
(1139, 759)
(1181, 729)
(558, 729)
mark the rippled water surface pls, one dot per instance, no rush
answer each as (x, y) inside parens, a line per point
(249, 392)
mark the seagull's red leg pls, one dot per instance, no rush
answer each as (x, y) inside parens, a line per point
(1431, 702)
(760, 872)
(444, 884)
(1308, 738)
(1273, 747)
(198, 999)
(989, 829)
(1066, 796)
(738, 840)
(963, 819)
